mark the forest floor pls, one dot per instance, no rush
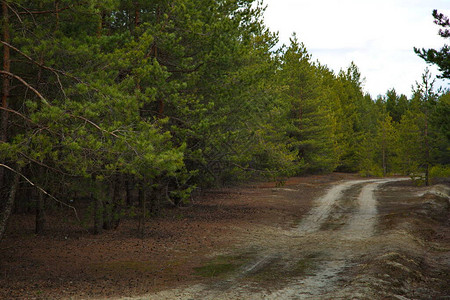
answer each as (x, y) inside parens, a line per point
(331, 236)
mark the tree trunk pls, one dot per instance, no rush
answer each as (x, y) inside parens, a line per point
(98, 208)
(156, 200)
(101, 24)
(128, 196)
(137, 15)
(161, 108)
(7, 209)
(142, 200)
(427, 152)
(300, 117)
(113, 206)
(117, 200)
(56, 15)
(107, 214)
(384, 153)
(40, 213)
(161, 104)
(5, 84)
(98, 215)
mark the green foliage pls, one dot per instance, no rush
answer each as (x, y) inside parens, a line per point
(441, 57)
(386, 138)
(410, 142)
(396, 105)
(369, 163)
(311, 121)
(440, 171)
(410, 136)
(171, 96)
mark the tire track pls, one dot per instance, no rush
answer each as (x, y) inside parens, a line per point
(360, 227)
(339, 247)
(320, 213)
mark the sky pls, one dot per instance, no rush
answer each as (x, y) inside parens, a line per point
(377, 35)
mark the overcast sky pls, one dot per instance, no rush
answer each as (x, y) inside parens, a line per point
(378, 35)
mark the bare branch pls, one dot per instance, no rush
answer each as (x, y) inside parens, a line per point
(47, 166)
(26, 84)
(102, 130)
(93, 124)
(55, 71)
(70, 114)
(42, 190)
(17, 113)
(55, 11)
(15, 12)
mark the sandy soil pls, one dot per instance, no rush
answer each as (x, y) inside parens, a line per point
(318, 237)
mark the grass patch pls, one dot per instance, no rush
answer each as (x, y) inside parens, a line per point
(215, 270)
(221, 265)
(303, 267)
(270, 273)
(280, 272)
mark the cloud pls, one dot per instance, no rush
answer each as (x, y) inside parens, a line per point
(378, 36)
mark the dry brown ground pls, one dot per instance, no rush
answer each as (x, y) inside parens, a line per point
(69, 262)
(342, 249)
(409, 255)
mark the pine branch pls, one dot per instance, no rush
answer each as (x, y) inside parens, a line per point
(15, 12)
(42, 190)
(443, 21)
(54, 11)
(26, 84)
(55, 71)
(18, 113)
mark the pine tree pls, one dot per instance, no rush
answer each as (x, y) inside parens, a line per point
(441, 57)
(311, 120)
(417, 136)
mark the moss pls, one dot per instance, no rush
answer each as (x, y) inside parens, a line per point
(222, 265)
(303, 267)
(279, 272)
(270, 273)
(215, 270)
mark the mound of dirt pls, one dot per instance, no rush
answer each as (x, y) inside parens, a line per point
(412, 259)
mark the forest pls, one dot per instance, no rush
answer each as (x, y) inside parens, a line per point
(127, 106)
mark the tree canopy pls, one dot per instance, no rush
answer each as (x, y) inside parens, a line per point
(128, 106)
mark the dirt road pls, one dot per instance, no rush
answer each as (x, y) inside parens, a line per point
(331, 236)
(344, 248)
